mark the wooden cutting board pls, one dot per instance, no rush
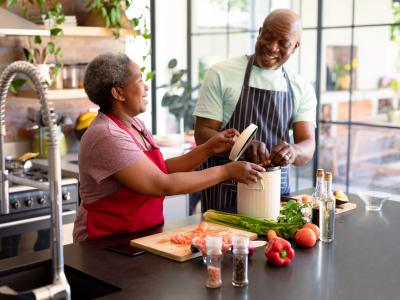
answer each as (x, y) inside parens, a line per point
(160, 243)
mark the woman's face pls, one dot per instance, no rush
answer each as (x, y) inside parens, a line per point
(135, 92)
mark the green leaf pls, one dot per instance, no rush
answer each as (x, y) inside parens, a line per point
(149, 76)
(37, 40)
(55, 31)
(135, 22)
(113, 16)
(172, 63)
(16, 84)
(52, 47)
(11, 2)
(147, 36)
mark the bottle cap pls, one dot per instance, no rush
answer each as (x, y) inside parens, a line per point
(328, 176)
(213, 242)
(240, 241)
(320, 172)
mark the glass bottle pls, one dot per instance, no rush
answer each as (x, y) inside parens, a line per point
(240, 260)
(327, 211)
(317, 195)
(214, 257)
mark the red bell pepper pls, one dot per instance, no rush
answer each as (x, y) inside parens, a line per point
(279, 252)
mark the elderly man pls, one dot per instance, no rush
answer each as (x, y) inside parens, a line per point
(258, 89)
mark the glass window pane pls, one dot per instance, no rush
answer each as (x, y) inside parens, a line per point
(335, 76)
(337, 13)
(375, 160)
(204, 57)
(304, 60)
(382, 12)
(240, 44)
(377, 75)
(308, 10)
(209, 15)
(301, 177)
(333, 151)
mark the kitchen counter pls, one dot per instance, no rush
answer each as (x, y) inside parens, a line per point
(361, 263)
(69, 164)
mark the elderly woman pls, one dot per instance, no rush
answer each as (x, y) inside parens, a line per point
(123, 176)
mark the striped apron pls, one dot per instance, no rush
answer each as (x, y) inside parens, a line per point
(272, 112)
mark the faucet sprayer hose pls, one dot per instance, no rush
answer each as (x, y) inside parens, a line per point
(32, 72)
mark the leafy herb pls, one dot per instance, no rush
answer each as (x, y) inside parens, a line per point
(285, 228)
(291, 212)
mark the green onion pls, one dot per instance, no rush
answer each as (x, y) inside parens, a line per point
(260, 226)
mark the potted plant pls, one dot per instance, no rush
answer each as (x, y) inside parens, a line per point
(179, 97)
(36, 51)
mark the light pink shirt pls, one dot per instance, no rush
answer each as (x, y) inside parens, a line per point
(105, 148)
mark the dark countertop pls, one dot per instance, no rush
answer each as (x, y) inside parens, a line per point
(361, 263)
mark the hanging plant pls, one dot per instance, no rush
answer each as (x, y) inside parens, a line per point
(113, 14)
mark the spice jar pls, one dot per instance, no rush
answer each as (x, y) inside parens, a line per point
(214, 257)
(240, 260)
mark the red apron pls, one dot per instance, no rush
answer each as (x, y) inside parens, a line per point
(127, 211)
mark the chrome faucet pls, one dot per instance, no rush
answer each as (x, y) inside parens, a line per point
(60, 288)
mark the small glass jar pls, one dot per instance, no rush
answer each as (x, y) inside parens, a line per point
(70, 77)
(214, 258)
(240, 260)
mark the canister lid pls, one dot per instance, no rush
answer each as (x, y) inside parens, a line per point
(242, 142)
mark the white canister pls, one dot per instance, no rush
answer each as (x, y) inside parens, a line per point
(261, 199)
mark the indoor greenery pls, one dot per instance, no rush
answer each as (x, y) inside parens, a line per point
(111, 11)
(179, 96)
(36, 51)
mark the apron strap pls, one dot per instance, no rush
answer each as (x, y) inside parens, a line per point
(248, 71)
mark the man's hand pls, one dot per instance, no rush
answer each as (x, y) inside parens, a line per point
(222, 141)
(257, 153)
(283, 154)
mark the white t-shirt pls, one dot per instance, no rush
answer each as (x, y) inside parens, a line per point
(223, 83)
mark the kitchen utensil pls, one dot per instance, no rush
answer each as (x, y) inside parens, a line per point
(262, 198)
(13, 164)
(374, 200)
(160, 243)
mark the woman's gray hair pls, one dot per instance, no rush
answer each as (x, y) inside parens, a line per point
(104, 72)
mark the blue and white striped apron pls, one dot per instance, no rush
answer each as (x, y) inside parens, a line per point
(272, 112)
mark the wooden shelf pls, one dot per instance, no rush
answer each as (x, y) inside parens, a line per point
(94, 31)
(79, 31)
(66, 94)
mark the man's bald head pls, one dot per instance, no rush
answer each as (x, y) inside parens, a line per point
(284, 18)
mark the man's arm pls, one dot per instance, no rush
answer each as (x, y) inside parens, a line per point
(204, 129)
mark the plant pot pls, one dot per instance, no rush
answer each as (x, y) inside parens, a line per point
(44, 71)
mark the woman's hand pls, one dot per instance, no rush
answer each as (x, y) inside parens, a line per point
(243, 171)
(222, 141)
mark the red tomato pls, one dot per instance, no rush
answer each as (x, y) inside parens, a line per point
(314, 228)
(305, 237)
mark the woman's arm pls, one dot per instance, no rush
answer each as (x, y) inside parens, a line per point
(145, 177)
(219, 143)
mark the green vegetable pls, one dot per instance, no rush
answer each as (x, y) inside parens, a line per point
(291, 212)
(286, 226)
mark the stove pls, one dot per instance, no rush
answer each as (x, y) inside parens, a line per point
(30, 213)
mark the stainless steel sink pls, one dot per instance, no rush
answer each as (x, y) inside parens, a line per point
(83, 286)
